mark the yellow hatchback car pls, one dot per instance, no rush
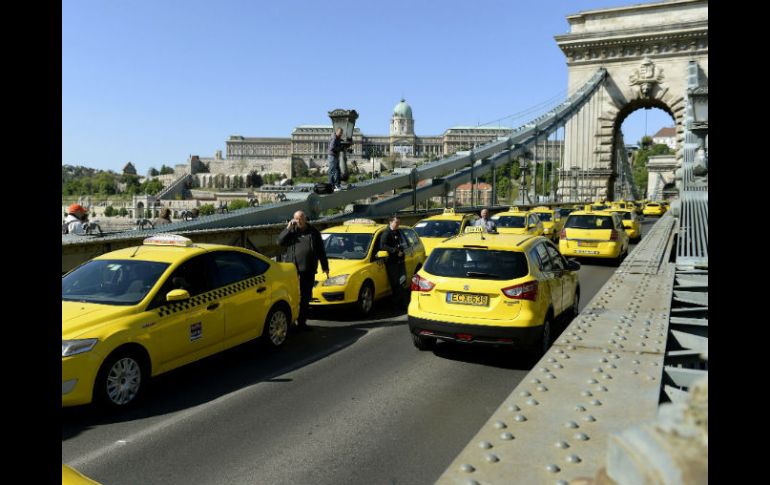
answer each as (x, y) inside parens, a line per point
(515, 221)
(500, 289)
(432, 230)
(70, 476)
(357, 274)
(552, 221)
(654, 209)
(594, 234)
(138, 312)
(630, 223)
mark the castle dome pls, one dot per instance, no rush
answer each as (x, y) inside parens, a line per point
(403, 110)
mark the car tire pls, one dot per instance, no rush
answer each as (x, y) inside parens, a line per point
(121, 380)
(365, 299)
(423, 343)
(276, 327)
(543, 343)
(575, 310)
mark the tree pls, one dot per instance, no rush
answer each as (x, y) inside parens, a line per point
(152, 172)
(123, 212)
(207, 209)
(151, 187)
(109, 211)
(237, 204)
(164, 170)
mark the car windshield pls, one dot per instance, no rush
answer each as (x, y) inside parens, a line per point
(588, 222)
(347, 245)
(624, 215)
(437, 228)
(510, 221)
(477, 263)
(111, 282)
(544, 216)
(565, 212)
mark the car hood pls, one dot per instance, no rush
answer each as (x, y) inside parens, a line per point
(343, 266)
(79, 318)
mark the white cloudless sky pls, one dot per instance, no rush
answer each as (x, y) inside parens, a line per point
(153, 82)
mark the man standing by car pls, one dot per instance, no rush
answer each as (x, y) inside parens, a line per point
(335, 146)
(305, 250)
(486, 222)
(393, 242)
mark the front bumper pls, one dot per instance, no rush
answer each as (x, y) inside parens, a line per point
(518, 337)
(78, 374)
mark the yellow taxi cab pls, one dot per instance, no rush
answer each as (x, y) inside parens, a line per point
(516, 221)
(70, 476)
(137, 312)
(594, 234)
(432, 230)
(357, 273)
(501, 289)
(654, 209)
(630, 223)
(552, 221)
(639, 206)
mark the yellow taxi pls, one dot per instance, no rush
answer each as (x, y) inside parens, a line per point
(500, 289)
(517, 221)
(357, 273)
(594, 234)
(552, 221)
(138, 312)
(654, 209)
(70, 476)
(630, 223)
(432, 230)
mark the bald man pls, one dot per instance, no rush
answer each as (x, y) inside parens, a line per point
(305, 249)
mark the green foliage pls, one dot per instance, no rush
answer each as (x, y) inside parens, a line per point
(151, 187)
(642, 156)
(164, 170)
(207, 209)
(109, 211)
(152, 172)
(123, 212)
(237, 204)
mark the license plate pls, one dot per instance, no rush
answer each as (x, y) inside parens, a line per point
(587, 244)
(583, 251)
(467, 299)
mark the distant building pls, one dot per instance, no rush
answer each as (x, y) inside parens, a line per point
(665, 136)
(463, 194)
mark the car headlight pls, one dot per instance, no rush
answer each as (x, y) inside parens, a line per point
(547, 231)
(337, 280)
(73, 347)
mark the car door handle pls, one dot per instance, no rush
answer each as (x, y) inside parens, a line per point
(261, 289)
(213, 306)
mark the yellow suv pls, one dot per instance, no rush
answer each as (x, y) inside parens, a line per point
(654, 209)
(630, 223)
(500, 289)
(432, 230)
(142, 311)
(552, 221)
(515, 221)
(357, 272)
(594, 234)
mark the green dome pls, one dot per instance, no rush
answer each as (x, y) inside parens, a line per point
(403, 110)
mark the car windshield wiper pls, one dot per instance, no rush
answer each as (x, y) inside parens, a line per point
(336, 257)
(482, 275)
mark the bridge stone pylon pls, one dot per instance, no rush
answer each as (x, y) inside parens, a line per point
(645, 50)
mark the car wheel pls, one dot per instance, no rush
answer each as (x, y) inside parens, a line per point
(423, 343)
(575, 306)
(121, 380)
(276, 327)
(365, 299)
(544, 342)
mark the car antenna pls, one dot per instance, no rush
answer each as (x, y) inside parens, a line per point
(136, 250)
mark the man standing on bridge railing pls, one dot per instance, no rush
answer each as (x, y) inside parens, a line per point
(486, 222)
(335, 147)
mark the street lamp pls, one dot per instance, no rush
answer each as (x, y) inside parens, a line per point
(699, 100)
(574, 171)
(346, 121)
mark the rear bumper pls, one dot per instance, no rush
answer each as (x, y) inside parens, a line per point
(603, 250)
(519, 337)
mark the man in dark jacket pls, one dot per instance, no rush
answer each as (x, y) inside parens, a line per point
(305, 250)
(335, 146)
(392, 241)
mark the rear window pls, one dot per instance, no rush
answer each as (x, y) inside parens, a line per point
(544, 216)
(477, 263)
(437, 228)
(589, 222)
(509, 221)
(653, 205)
(624, 215)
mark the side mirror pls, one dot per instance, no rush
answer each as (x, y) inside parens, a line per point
(177, 295)
(382, 254)
(573, 265)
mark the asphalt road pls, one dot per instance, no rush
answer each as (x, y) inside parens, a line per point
(352, 402)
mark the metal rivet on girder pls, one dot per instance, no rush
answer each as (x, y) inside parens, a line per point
(589, 418)
(514, 408)
(565, 356)
(520, 418)
(485, 445)
(564, 341)
(542, 388)
(467, 468)
(650, 378)
(613, 366)
(500, 425)
(473, 482)
(572, 424)
(654, 364)
(532, 402)
(571, 347)
(598, 370)
(596, 402)
(592, 381)
(615, 356)
(524, 394)
(535, 381)
(553, 468)
(559, 351)
(543, 369)
(506, 436)
(606, 351)
(574, 459)
(602, 388)
(636, 362)
(603, 360)
(562, 444)
(581, 437)
(612, 341)
(635, 372)
(586, 393)
(551, 376)
(606, 376)
(551, 360)
(558, 366)
(491, 458)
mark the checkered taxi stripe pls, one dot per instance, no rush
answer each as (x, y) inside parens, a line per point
(210, 296)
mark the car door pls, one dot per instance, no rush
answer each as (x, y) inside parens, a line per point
(379, 273)
(568, 279)
(552, 280)
(418, 251)
(245, 293)
(410, 260)
(621, 230)
(191, 329)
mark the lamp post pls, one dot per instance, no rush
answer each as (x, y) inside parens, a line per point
(346, 121)
(574, 171)
(699, 100)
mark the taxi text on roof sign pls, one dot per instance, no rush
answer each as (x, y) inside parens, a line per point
(359, 221)
(514, 209)
(470, 229)
(167, 240)
(449, 211)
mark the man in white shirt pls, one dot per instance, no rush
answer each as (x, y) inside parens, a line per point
(76, 219)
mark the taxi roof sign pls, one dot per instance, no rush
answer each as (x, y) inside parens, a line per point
(514, 208)
(470, 229)
(359, 221)
(168, 240)
(449, 211)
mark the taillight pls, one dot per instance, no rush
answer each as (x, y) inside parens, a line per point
(524, 291)
(563, 234)
(421, 284)
(613, 235)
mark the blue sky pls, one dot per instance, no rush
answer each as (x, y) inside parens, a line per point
(154, 81)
